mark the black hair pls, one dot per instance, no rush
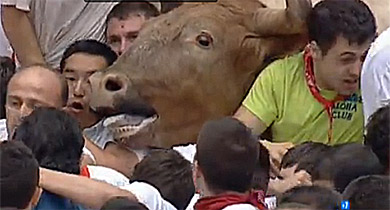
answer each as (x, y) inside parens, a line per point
(226, 146)
(122, 203)
(306, 155)
(368, 192)
(54, 137)
(170, 173)
(378, 134)
(7, 69)
(314, 196)
(351, 19)
(344, 163)
(19, 175)
(91, 47)
(261, 174)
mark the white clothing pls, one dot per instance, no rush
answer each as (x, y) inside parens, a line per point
(149, 196)
(3, 130)
(108, 175)
(5, 47)
(240, 207)
(188, 152)
(59, 23)
(375, 77)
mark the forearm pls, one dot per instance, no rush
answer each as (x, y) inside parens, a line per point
(21, 36)
(82, 190)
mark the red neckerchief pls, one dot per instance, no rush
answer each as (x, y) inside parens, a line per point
(311, 83)
(85, 172)
(255, 198)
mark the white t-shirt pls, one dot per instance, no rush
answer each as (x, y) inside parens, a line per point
(108, 175)
(240, 207)
(375, 78)
(3, 130)
(149, 196)
(59, 23)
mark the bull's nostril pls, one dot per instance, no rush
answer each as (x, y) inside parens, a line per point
(112, 85)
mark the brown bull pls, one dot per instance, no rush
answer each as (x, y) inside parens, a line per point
(197, 63)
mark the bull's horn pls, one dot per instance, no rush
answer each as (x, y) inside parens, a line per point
(292, 20)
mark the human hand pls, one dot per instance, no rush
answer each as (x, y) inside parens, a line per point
(276, 153)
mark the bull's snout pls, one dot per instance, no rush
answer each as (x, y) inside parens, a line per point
(106, 88)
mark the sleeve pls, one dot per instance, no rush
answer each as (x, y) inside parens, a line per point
(261, 99)
(19, 4)
(149, 196)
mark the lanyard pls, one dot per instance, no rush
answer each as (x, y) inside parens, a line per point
(311, 83)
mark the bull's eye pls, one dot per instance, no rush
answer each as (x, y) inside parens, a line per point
(204, 40)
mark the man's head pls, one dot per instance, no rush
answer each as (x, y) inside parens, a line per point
(378, 134)
(340, 33)
(302, 157)
(170, 173)
(31, 87)
(124, 22)
(122, 203)
(345, 163)
(368, 192)
(261, 175)
(54, 137)
(79, 61)
(315, 196)
(226, 156)
(19, 176)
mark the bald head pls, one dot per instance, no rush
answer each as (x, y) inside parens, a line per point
(32, 87)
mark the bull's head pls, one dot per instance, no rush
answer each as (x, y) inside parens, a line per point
(197, 63)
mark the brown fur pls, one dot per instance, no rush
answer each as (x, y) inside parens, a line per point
(188, 85)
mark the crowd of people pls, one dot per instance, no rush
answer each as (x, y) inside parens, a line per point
(328, 108)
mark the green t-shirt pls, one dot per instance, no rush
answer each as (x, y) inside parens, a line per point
(280, 96)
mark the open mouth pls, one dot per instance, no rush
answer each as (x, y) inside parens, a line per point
(351, 81)
(76, 105)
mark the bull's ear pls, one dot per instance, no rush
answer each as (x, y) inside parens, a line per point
(280, 22)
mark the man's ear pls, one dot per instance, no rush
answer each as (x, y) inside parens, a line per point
(315, 50)
(37, 195)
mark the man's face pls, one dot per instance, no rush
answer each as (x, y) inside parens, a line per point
(121, 33)
(339, 70)
(78, 67)
(28, 90)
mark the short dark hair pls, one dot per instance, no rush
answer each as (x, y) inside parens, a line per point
(54, 137)
(378, 134)
(122, 203)
(351, 19)
(344, 163)
(19, 175)
(170, 173)
(261, 174)
(314, 196)
(125, 9)
(91, 47)
(226, 146)
(306, 155)
(368, 192)
(7, 69)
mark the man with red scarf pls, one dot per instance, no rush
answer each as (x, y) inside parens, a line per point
(225, 161)
(315, 95)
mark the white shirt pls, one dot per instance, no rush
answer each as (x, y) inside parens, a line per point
(107, 175)
(59, 23)
(240, 207)
(149, 196)
(375, 78)
(3, 130)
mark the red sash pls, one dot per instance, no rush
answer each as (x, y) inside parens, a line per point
(311, 83)
(85, 172)
(255, 198)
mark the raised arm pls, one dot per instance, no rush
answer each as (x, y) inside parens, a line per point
(21, 36)
(82, 190)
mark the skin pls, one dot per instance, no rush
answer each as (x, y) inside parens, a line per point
(339, 69)
(33, 87)
(122, 33)
(78, 67)
(21, 36)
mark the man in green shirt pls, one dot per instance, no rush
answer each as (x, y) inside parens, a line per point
(315, 95)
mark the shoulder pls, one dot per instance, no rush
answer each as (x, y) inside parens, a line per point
(107, 175)
(240, 207)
